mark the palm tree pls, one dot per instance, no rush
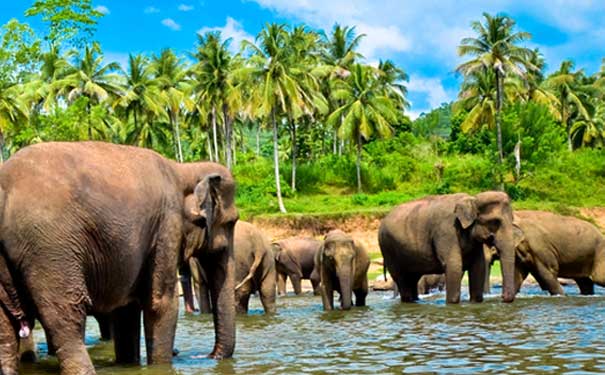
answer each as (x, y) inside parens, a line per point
(12, 110)
(366, 110)
(571, 96)
(43, 88)
(590, 132)
(174, 88)
(214, 82)
(92, 79)
(391, 78)
(141, 99)
(496, 49)
(278, 90)
(339, 53)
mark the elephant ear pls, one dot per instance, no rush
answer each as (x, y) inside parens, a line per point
(276, 249)
(466, 212)
(518, 235)
(205, 211)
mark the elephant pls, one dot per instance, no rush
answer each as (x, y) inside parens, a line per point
(96, 228)
(254, 271)
(445, 234)
(490, 254)
(428, 283)
(295, 258)
(342, 264)
(549, 246)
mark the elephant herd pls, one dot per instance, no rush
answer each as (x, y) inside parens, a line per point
(90, 228)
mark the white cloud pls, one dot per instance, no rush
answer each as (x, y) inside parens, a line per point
(171, 24)
(186, 7)
(102, 9)
(232, 29)
(119, 57)
(432, 87)
(151, 10)
(382, 38)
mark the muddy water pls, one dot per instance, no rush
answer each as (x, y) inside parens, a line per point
(536, 334)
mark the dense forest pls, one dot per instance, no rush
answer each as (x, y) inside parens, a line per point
(300, 115)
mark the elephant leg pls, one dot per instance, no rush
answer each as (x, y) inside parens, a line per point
(315, 284)
(281, 284)
(326, 289)
(296, 284)
(547, 279)
(361, 293)
(160, 309)
(9, 345)
(453, 276)
(408, 287)
(200, 286)
(242, 298)
(221, 279)
(185, 279)
(127, 334)
(520, 276)
(104, 321)
(65, 325)
(476, 278)
(586, 285)
(598, 270)
(267, 293)
(27, 350)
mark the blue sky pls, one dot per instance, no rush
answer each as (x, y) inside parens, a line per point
(420, 36)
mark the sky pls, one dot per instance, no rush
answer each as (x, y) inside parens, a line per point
(419, 36)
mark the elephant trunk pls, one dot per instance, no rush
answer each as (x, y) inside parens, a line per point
(296, 283)
(344, 278)
(504, 244)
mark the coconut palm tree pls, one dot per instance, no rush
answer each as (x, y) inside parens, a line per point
(392, 78)
(13, 110)
(92, 79)
(572, 96)
(215, 83)
(278, 91)
(339, 52)
(174, 89)
(495, 48)
(141, 96)
(590, 132)
(366, 110)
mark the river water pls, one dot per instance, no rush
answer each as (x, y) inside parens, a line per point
(535, 334)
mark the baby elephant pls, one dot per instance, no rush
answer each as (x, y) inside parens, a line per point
(342, 265)
(428, 283)
(548, 246)
(295, 258)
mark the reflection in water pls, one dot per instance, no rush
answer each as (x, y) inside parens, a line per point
(535, 334)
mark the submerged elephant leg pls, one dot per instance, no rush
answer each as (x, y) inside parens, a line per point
(104, 321)
(476, 278)
(296, 284)
(267, 293)
(586, 285)
(453, 276)
(160, 309)
(9, 345)
(547, 279)
(200, 286)
(598, 270)
(281, 283)
(408, 287)
(361, 293)
(127, 334)
(242, 298)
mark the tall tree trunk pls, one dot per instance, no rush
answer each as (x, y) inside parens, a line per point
(499, 95)
(258, 139)
(228, 136)
(358, 162)
(216, 159)
(177, 134)
(335, 142)
(565, 122)
(280, 202)
(209, 148)
(293, 136)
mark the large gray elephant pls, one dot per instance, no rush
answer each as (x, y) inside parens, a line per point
(96, 228)
(254, 270)
(445, 234)
(550, 246)
(295, 258)
(342, 264)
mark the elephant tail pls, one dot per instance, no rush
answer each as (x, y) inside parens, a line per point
(257, 259)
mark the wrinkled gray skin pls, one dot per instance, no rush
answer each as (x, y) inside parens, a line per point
(550, 246)
(96, 228)
(254, 271)
(428, 283)
(343, 267)
(295, 258)
(445, 234)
